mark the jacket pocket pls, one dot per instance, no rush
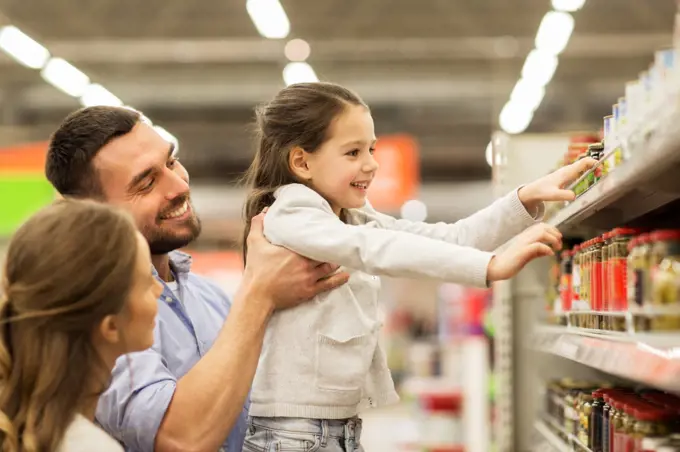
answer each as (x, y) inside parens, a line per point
(343, 363)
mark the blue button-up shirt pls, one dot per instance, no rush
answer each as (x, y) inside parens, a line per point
(143, 383)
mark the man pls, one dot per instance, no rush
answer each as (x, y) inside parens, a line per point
(189, 391)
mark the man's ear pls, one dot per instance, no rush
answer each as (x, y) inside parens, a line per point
(297, 160)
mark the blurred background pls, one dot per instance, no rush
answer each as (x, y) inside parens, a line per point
(441, 78)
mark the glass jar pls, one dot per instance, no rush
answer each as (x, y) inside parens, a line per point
(618, 274)
(665, 281)
(616, 426)
(570, 416)
(596, 421)
(606, 416)
(627, 438)
(651, 424)
(597, 319)
(585, 412)
(619, 425)
(575, 282)
(566, 268)
(604, 289)
(585, 282)
(638, 287)
(596, 151)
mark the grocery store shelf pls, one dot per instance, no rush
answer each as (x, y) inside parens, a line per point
(638, 186)
(553, 441)
(652, 359)
(555, 436)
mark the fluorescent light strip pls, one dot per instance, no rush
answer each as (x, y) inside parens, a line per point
(23, 48)
(61, 74)
(269, 18)
(539, 67)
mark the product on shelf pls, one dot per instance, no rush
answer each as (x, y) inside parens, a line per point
(624, 273)
(665, 280)
(602, 418)
(635, 119)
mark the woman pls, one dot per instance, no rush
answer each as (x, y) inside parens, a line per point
(78, 294)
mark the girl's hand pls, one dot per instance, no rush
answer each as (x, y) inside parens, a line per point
(553, 186)
(537, 241)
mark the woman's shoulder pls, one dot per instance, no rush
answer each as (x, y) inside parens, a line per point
(84, 436)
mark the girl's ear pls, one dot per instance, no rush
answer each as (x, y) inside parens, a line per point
(297, 160)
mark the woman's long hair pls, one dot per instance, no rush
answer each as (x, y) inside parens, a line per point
(298, 116)
(67, 268)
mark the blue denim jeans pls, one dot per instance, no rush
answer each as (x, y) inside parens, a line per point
(303, 435)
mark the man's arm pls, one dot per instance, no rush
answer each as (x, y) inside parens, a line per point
(209, 398)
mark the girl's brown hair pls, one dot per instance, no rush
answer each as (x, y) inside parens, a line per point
(298, 116)
(68, 267)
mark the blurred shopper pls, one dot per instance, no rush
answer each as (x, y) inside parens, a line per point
(77, 294)
(189, 391)
(322, 362)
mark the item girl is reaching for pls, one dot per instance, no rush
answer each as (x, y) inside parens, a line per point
(312, 169)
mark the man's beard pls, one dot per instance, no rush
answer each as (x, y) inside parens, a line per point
(163, 241)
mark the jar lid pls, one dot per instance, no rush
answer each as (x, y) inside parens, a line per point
(599, 394)
(626, 231)
(644, 238)
(652, 414)
(662, 235)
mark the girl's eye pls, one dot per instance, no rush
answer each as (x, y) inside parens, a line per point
(171, 163)
(353, 153)
(371, 150)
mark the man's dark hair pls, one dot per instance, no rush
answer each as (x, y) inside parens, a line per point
(76, 143)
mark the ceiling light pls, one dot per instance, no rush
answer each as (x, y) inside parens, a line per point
(514, 118)
(568, 5)
(554, 32)
(299, 73)
(414, 210)
(66, 77)
(96, 94)
(23, 48)
(269, 18)
(527, 94)
(297, 50)
(539, 67)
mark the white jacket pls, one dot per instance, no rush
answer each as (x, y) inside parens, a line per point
(322, 359)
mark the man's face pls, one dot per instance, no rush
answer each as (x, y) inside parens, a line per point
(140, 173)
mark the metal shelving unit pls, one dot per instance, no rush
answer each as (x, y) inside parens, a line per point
(643, 191)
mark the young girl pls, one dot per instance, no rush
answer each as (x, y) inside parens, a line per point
(77, 293)
(321, 363)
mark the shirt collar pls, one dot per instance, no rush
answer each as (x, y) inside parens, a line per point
(180, 263)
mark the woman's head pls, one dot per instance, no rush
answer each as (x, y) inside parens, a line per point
(77, 293)
(319, 134)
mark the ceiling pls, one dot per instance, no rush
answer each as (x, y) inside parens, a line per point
(439, 69)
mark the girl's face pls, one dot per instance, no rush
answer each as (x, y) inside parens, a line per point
(342, 169)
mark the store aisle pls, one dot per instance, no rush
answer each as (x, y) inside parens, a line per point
(389, 429)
